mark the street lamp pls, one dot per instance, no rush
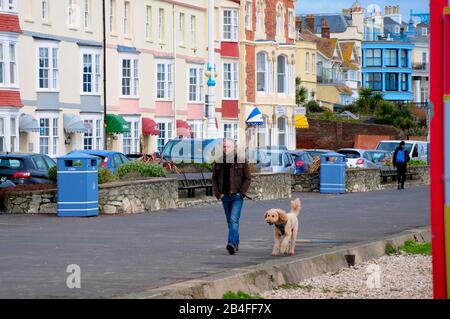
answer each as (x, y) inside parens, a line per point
(211, 74)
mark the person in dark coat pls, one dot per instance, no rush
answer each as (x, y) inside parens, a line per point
(231, 180)
(400, 161)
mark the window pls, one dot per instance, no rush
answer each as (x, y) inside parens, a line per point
(279, 21)
(374, 81)
(48, 67)
(373, 57)
(230, 25)
(148, 22)
(164, 80)
(281, 71)
(13, 130)
(87, 13)
(112, 16)
(230, 80)
(196, 129)
(313, 64)
(72, 13)
(270, 76)
(390, 57)
(130, 77)
(263, 133)
(165, 134)
(404, 58)
(8, 63)
(193, 32)
(261, 72)
(230, 131)
(131, 140)
(248, 15)
(424, 31)
(44, 11)
(91, 72)
(405, 84)
(290, 79)
(391, 82)
(126, 18)
(8, 5)
(195, 83)
(93, 138)
(291, 24)
(307, 62)
(281, 131)
(48, 136)
(182, 28)
(161, 36)
(260, 6)
(2, 134)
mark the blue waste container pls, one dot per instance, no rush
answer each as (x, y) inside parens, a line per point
(332, 173)
(77, 185)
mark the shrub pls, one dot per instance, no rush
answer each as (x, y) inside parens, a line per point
(313, 107)
(239, 295)
(414, 248)
(53, 173)
(327, 115)
(145, 169)
(417, 163)
(106, 176)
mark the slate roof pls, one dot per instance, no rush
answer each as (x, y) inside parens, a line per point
(338, 23)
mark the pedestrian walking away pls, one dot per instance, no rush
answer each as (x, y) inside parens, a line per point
(400, 162)
(231, 180)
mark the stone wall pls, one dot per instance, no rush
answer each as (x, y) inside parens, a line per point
(114, 198)
(309, 182)
(334, 135)
(267, 186)
(362, 180)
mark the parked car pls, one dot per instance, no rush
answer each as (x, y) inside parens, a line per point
(23, 169)
(317, 152)
(189, 150)
(109, 159)
(377, 157)
(355, 158)
(280, 159)
(418, 150)
(133, 157)
(302, 161)
(260, 159)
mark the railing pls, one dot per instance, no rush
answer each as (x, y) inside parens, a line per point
(421, 66)
(329, 76)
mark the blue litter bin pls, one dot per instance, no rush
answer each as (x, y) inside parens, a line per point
(332, 173)
(77, 185)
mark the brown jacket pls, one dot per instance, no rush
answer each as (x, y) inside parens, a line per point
(240, 178)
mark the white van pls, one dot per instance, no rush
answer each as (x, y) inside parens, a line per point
(418, 150)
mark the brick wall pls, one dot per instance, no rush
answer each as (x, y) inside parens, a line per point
(370, 141)
(334, 135)
(250, 72)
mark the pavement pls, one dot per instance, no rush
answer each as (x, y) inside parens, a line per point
(121, 255)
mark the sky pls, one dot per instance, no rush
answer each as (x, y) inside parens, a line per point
(323, 6)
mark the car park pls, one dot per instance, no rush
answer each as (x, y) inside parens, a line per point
(24, 169)
(302, 160)
(317, 152)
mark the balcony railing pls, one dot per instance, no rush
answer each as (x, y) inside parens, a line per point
(329, 76)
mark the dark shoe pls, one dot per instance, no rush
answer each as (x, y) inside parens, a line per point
(230, 249)
(236, 248)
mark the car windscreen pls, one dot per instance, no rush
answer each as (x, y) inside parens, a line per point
(375, 156)
(11, 163)
(391, 146)
(350, 154)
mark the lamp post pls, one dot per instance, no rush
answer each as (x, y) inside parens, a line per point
(211, 73)
(105, 132)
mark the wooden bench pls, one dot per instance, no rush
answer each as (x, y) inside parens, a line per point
(392, 173)
(193, 181)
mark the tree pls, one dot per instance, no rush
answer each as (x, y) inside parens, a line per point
(300, 92)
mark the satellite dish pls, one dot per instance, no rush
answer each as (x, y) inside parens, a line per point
(373, 10)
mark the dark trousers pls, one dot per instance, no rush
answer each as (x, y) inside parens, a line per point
(401, 174)
(232, 205)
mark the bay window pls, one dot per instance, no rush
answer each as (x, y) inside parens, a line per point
(261, 72)
(48, 135)
(281, 68)
(282, 131)
(8, 62)
(373, 57)
(391, 57)
(391, 82)
(374, 81)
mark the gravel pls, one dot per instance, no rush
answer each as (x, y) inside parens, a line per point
(399, 277)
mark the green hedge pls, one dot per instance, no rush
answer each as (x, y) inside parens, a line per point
(104, 175)
(143, 168)
(52, 173)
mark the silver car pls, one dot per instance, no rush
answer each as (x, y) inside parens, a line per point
(357, 158)
(280, 159)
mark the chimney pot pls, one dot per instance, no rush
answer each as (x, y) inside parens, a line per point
(311, 23)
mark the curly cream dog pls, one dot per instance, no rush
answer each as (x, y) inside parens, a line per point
(286, 227)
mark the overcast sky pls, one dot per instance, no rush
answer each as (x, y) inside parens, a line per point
(336, 6)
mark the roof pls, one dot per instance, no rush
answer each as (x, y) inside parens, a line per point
(338, 23)
(9, 23)
(10, 98)
(326, 46)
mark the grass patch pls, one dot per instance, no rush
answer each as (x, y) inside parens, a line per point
(415, 248)
(296, 286)
(390, 249)
(239, 295)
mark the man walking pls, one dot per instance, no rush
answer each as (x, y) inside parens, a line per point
(400, 161)
(231, 181)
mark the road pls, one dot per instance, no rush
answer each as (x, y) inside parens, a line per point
(124, 254)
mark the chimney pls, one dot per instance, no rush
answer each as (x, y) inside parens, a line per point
(298, 24)
(325, 29)
(311, 23)
(398, 9)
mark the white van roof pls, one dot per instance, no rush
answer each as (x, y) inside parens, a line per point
(406, 141)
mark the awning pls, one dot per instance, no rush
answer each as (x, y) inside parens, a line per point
(183, 129)
(255, 117)
(74, 124)
(116, 124)
(301, 121)
(28, 123)
(149, 127)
